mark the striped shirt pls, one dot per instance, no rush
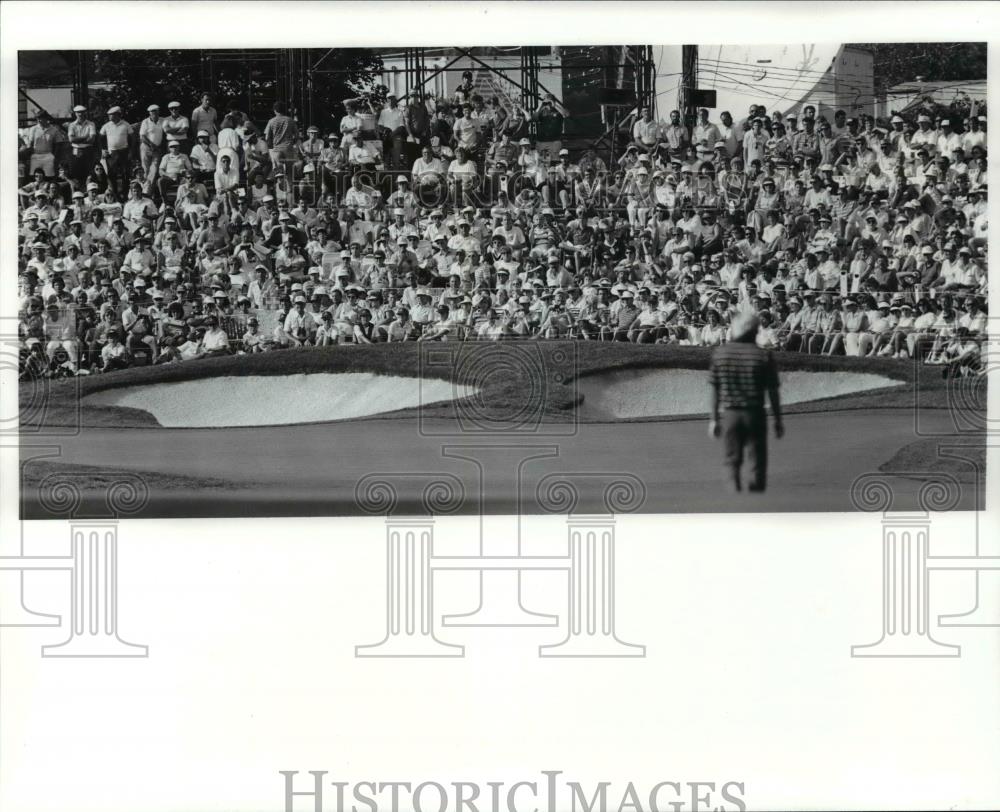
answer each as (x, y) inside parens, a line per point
(742, 373)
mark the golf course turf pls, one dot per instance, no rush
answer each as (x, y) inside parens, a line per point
(505, 372)
(311, 468)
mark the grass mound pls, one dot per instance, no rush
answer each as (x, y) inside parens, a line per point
(92, 479)
(963, 459)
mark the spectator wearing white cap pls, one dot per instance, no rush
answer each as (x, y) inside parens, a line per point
(958, 272)
(82, 136)
(362, 156)
(925, 136)
(399, 227)
(173, 166)
(902, 327)
(854, 326)
(177, 126)
(77, 238)
(948, 140)
(897, 138)
(44, 139)
(437, 235)
(116, 138)
(298, 325)
(139, 259)
(464, 240)
(310, 152)
(40, 208)
(152, 142)
(563, 177)
(877, 341)
(262, 288)
(404, 198)
(203, 156)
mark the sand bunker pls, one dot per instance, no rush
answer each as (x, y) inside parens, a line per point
(664, 392)
(256, 400)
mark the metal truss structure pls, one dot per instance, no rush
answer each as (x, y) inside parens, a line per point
(289, 75)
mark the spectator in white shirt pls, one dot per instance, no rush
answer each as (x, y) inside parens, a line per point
(392, 129)
(975, 134)
(948, 140)
(151, 138)
(227, 183)
(116, 135)
(646, 132)
(203, 156)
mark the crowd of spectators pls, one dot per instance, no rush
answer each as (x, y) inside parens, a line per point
(179, 237)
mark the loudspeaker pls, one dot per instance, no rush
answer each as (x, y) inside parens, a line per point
(703, 98)
(616, 97)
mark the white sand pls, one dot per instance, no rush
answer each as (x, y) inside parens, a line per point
(666, 392)
(257, 400)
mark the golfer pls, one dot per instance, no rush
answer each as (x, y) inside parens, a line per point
(740, 374)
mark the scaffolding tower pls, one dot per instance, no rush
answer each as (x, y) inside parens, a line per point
(260, 77)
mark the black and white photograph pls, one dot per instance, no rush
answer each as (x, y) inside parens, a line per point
(396, 425)
(256, 276)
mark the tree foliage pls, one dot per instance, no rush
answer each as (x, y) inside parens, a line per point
(898, 62)
(251, 80)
